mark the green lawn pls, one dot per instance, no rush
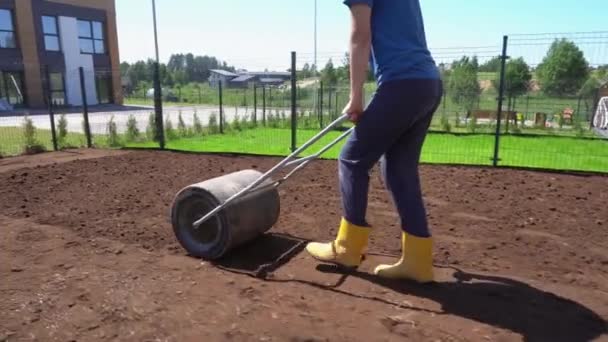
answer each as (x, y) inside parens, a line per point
(561, 153)
(550, 152)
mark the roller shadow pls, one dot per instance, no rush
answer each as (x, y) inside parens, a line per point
(501, 302)
(262, 256)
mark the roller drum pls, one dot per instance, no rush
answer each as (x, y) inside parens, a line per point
(242, 221)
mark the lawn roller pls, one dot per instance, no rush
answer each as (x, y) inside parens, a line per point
(213, 217)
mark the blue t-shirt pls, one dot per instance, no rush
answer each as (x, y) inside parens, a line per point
(399, 48)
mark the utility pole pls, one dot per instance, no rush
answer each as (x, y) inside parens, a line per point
(316, 66)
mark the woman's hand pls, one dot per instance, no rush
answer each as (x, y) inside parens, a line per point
(354, 109)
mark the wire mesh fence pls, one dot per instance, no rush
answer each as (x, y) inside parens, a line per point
(553, 112)
(538, 118)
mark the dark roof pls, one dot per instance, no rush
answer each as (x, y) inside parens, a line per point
(270, 73)
(271, 80)
(223, 72)
(243, 78)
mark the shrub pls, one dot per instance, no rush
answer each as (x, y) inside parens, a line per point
(247, 121)
(29, 134)
(236, 123)
(578, 126)
(181, 126)
(560, 121)
(198, 127)
(445, 123)
(170, 133)
(113, 139)
(132, 130)
(457, 120)
(472, 124)
(272, 121)
(151, 128)
(213, 124)
(284, 122)
(62, 131)
(251, 123)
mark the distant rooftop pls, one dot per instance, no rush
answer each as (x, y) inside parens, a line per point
(223, 72)
(270, 73)
(243, 78)
(271, 80)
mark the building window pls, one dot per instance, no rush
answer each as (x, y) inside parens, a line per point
(91, 37)
(7, 30)
(11, 88)
(57, 88)
(104, 88)
(51, 33)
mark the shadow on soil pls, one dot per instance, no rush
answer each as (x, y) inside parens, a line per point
(535, 314)
(501, 302)
(262, 256)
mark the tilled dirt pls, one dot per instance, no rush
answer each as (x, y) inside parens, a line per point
(520, 255)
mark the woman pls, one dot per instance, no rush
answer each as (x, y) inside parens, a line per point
(393, 127)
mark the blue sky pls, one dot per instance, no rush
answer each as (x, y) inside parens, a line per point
(260, 34)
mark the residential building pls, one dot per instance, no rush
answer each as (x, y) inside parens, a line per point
(43, 45)
(220, 76)
(245, 79)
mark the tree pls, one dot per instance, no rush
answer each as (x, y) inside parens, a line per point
(563, 70)
(343, 72)
(492, 65)
(305, 72)
(328, 75)
(463, 86)
(590, 87)
(138, 73)
(124, 68)
(517, 78)
(602, 73)
(589, 90)
(475, 63)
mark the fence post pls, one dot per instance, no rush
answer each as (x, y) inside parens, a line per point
(509, 108)
(321, 104)
(85, 108)
(255, 104)
(445, 97)
(51, 113)
(294, 117)
(264, 105)
(158, 107)
(501, 92)
(329, 106)
(336, 102)
(221, 108)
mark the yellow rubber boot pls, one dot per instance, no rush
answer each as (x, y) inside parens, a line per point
(416, 262)
(346, 250)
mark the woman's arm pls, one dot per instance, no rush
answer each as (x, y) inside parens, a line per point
(360, 45)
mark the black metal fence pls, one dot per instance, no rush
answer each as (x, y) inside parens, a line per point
(519, 103)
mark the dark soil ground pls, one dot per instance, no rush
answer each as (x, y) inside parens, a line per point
(88, 254)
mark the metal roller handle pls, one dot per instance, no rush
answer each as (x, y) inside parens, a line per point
(288, 161)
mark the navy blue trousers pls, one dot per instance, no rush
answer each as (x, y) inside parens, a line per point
(391, 130)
